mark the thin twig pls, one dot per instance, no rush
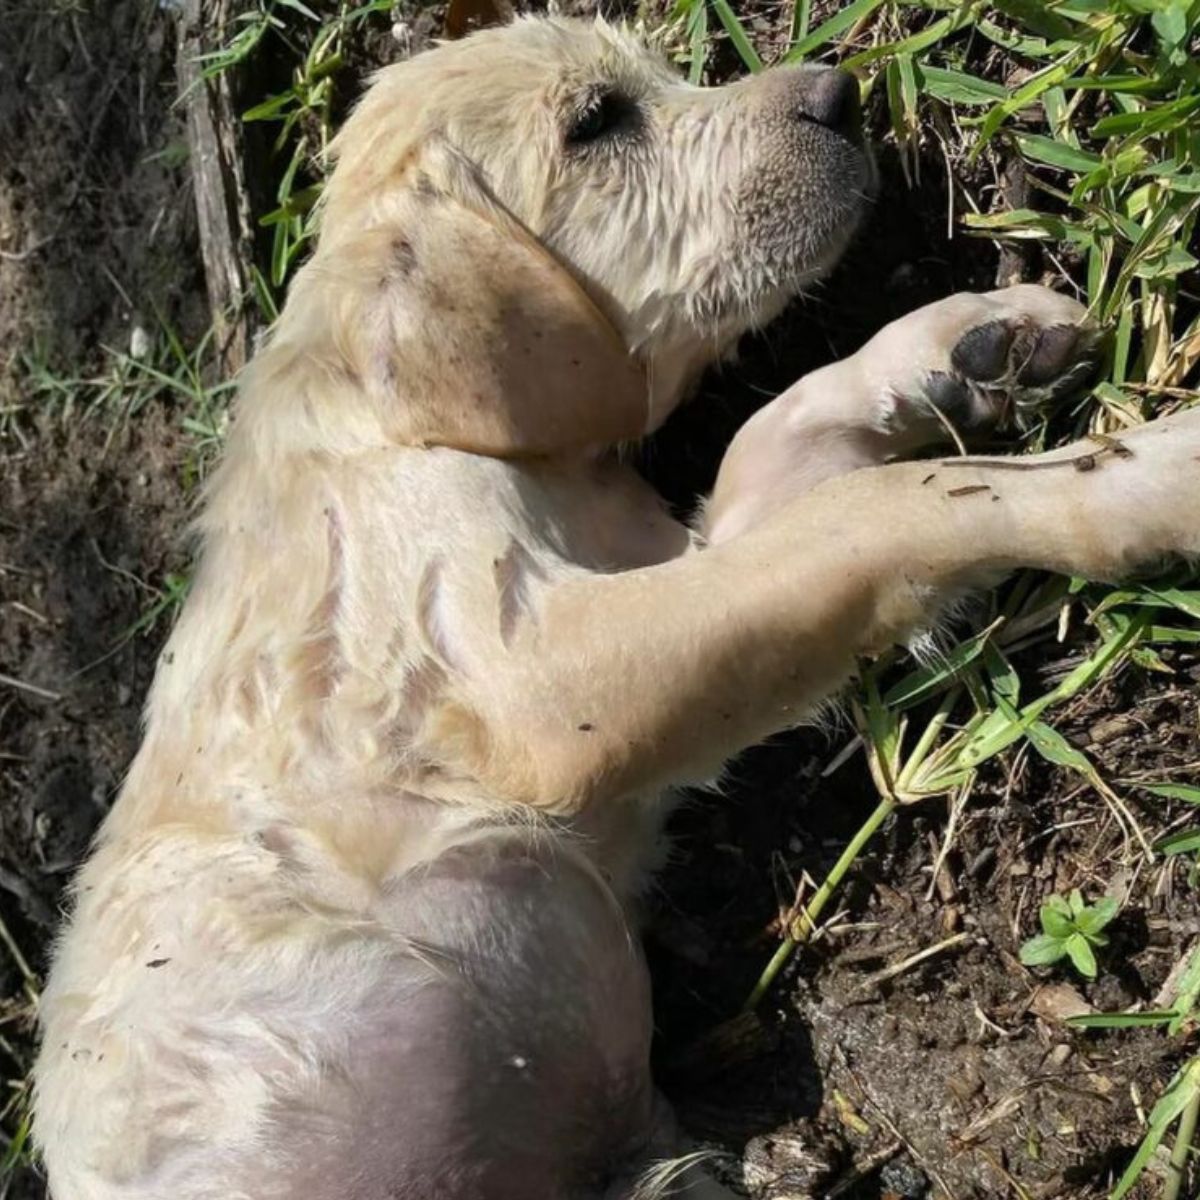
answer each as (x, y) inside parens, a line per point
(860, 1170)
(32, 688)
(913, 960)
(956, 809)
(29, 979)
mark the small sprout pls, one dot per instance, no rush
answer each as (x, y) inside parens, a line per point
(1070, 929)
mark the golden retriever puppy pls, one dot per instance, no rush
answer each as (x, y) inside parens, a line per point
(359, 926)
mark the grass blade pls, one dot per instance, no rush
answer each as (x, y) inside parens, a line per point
(737, 35)
(839, 23)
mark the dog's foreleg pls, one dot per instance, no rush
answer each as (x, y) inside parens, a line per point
(635, 680)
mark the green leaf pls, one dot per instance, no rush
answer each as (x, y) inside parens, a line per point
(838, 24)
(17, 1147)
(1183, 842)
(1005, 681)
(1122, 343)
(697, 30)
(1186, 792)
(920, 683)
(1163, 1115)
(296, 6)
(1171, 25)
(1025, 95)
(801, 15)
(1055, 153)
(1149, 660)
(1095, 917)
(1055, 924)
(1187, 182)
(1081, 955)
(737, 35)
(1037, 16)
(272, 107)
(297, 204)
(1055, 748)
(929, 36)
(957, 87)
(1189, 990)
(1042, 950)
(1120, 1020)
(1118, 83)
(900, 77)
(1147, 120)
(1137, 1164)
(1024, 223)
(1187, 602)
(1177, 1097)
(1173, 261)
(1168, 633)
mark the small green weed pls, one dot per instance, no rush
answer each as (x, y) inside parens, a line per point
(1070, 929)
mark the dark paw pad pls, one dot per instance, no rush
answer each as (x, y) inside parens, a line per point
(1023, 361)
(1004, 368)
(965, 407)
(1053, 353)
(982, 352)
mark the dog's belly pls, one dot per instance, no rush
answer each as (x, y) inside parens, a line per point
(517, 1068)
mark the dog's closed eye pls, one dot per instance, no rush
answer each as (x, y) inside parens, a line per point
(602, 113)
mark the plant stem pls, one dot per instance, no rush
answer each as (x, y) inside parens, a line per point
(916, 760)
(1177, 1168)
(28, 978)
(806, 923)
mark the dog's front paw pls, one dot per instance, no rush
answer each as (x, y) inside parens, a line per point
(977, 360)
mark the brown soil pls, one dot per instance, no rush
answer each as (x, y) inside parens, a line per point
(958, 1065)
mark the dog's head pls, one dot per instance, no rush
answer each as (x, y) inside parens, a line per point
(554, 198)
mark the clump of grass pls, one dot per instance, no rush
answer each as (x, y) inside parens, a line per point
(158, 366)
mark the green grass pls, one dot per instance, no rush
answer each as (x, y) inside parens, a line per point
(301, 113)
(1180, 1102)
(159, 367)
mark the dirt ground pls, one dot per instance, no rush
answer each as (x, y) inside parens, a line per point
(954, 1078)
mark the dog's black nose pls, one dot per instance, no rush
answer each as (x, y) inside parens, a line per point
(830, 97)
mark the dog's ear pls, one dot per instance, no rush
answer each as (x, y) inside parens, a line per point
(476, 336)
